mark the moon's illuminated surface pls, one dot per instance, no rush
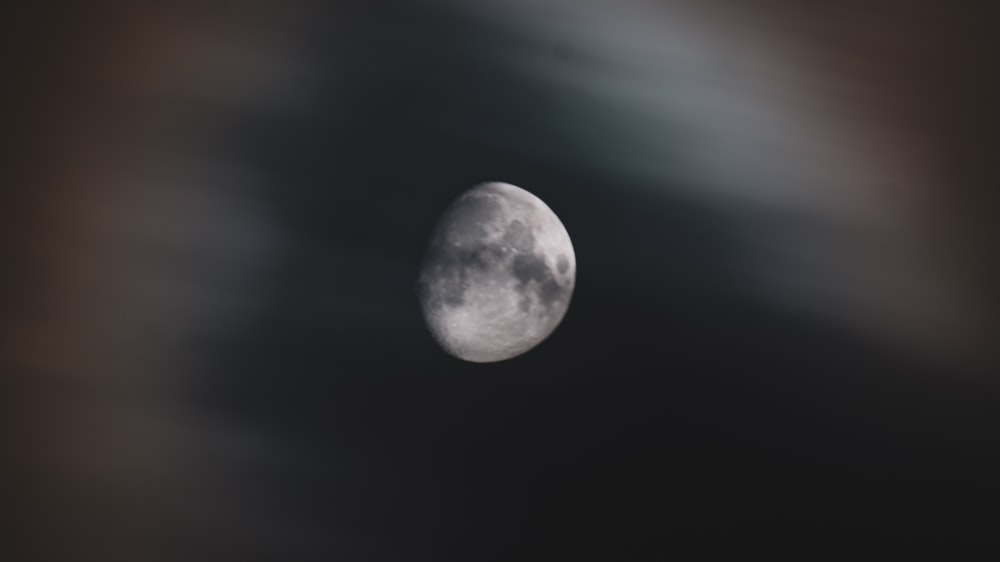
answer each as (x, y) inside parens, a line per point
(498, 274)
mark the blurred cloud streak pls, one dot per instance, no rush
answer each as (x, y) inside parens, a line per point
(207, 195)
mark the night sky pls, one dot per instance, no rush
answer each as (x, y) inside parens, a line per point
(782, 340)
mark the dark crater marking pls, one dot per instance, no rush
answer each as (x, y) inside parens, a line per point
(445, 279)
(562, 264)
(528, 266)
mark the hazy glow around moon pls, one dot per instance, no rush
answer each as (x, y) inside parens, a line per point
(498, 274)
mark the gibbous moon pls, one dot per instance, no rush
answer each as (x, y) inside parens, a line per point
(498, 274)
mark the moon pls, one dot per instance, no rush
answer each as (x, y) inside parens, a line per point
(498, 274)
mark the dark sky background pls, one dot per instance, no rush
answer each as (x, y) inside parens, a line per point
(783, 335)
